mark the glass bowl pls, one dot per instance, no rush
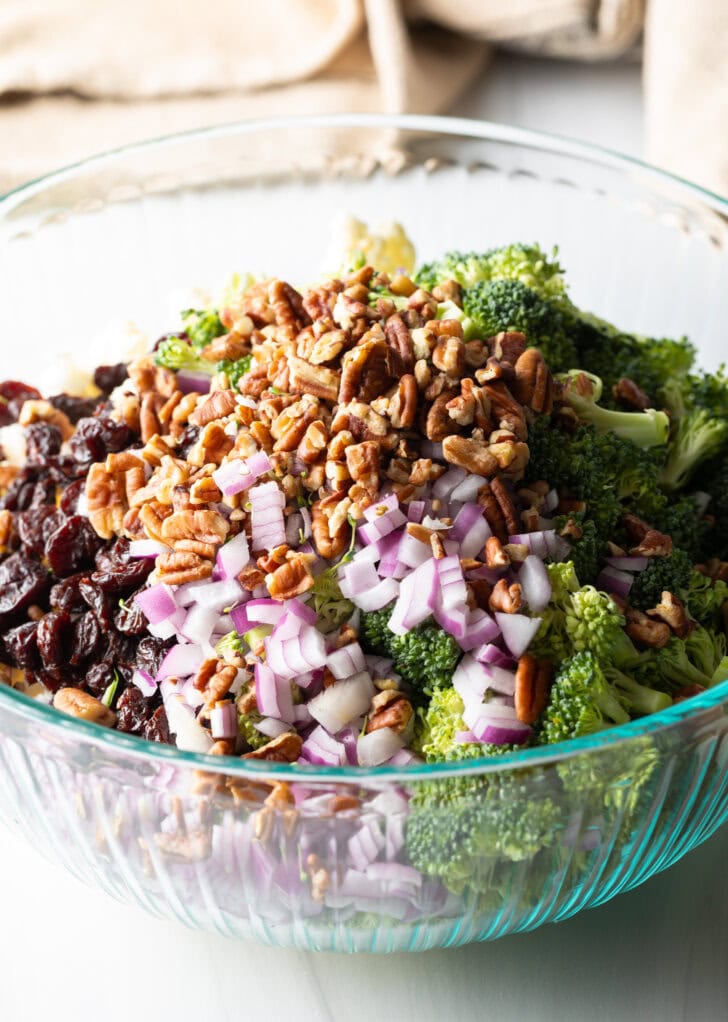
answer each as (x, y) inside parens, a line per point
(319, 858)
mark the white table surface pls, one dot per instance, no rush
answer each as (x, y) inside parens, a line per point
(658, 953)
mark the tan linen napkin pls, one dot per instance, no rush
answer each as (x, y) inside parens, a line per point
(79, 76)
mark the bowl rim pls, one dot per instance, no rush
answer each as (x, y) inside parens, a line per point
(539, 756)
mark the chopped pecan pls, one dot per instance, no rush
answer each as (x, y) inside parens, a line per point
(181, 566)
(343, 803)
(449, 355)
(213, 444)
(286, 748)
(471, 454)
(653, 544)
(329, 545)
(287, 306)
(214, 680)
(317, 380)
(255, 381)
(505, 502)
(205, 491)
(77, 703)
(672, 611)
(6, 530)
(399, 340)
(149, 424)
(533, 681)
(495, 555)
(390, 709)
(402, 407)
(365, 372)
(628, 393)
(508, 346)
(152, 516)
(361, 420)
(438, 424)
(362, 460)
(194, 546)
(327, 347)
(217, 406)
(193, 847)
(641, 628)
(533, 384)
(229, 346)
(205, 526)
(292, 578)
(105, 497)
(506, 598)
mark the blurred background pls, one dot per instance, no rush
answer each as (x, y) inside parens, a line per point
(648, 77)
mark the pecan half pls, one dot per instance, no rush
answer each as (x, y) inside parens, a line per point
(286, 748)
(672, 611)
(533, 681)
(181, 566)
(506, 598)
(362, 460)
(390, 709)
(292, 578)
(508, 346)
(402, 408)
(628, 393)
(217, 406)
(438, 424)
(204, 526)
(641, 628)
(317, 380)
(399, 340)
(533, 385)
(77, 703)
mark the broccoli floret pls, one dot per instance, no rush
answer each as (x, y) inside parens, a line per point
(582, 392)
(681, 520)
(614, 780)
(202, 326)
(699, 410)
(460, 828)
(437, 725)
(671, 574)
(699, 659)
(580, 618)
(705, 599)
(611, 354)
(527, 264)
(234, 369)
(177, 353)
(424, 657)
(332, 608)
(588, 551)
(584, 700)
(510, 305)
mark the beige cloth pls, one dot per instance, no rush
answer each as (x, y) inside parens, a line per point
(79, 76)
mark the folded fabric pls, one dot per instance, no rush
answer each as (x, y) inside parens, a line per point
(79, 76)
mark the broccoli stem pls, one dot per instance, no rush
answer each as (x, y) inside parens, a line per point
(639, 698)
(645, 429)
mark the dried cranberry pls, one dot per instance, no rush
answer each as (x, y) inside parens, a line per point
(42, 441)
(16, 394)
(6, 418)
(156, 728)
(66, 594)
(74, 408)
(33, 528)
(132, 711)
(102, 604)
(96, 437)
(124, 578)
(44, 492)
(63, 469)
(71, 496)
(130, 619)
(150, 654)
(22, 582)
(110, 557)
(86, 639)
(188, 439)
(73, 546)
(22, 646)
(19, 495)
(120, 650)
(98, 677)
(53, 631)
(108, 378)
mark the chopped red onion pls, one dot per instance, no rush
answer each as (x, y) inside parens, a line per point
(297, 654)
(273, 694)
(257, 612)
(470, 680)
(147, 548)
(191, 736)
(271, 727)
(517, 630)
(551, 501)
(442, 488)
(359, 575)
(340, 703)
(217, 595)
(417, 598)
(364, 847)
(535, 583)
(224, 722)
(544, 543)
(415, 511)
(240, 474)
(403, 758)
(381, 595)
(322, 748)
(302, 715)
(628, 563)
(453, 591)
(378, 746)
(166, 629)
(267, 502)
(157, 603)
(145, 683)
(199, 624)
(390, 565)
(191, 382)
(500, 679)
(470, 530)
(181, 662)
(480, 629)
(490, 654)
(465, 738)
(233, 557)
(381, 519)
(612, 581)
(412, 551)
(347, 661)
(467, 490)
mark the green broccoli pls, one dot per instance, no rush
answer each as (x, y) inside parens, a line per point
(713, 480)
(588, 551)
(425, 657)
(582, 392)
(459, 829)
(202, 326)
(583, 700)
(436, 727)
(705, 599)
(177, 353)
(699, 659)
(510, 305)
(612, 354)
(234, 369)
(332, 609)
(681, 520)
(527, 264)
(698, 406)
(671, 574)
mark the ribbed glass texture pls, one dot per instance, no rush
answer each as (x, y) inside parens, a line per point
(312, 859)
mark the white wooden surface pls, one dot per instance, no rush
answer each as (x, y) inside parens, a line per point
(658, 953)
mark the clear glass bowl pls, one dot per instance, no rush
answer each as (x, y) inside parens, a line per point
(259, 849)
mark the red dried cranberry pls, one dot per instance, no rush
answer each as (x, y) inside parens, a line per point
(108, 378)
(53, 630)
(75, 408)
(22, 646)
(150, 654)
(22, 582)
(16, 394)
(110, 557)
(156, 728)
(71, 496)
(66, 594)
(130, 619)
(97, 437)
(132, 711)
(86, 639)
(98, 677)
(72, 546)
(33, 528)
(42, 441)
(124, 578)
(102, 604)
